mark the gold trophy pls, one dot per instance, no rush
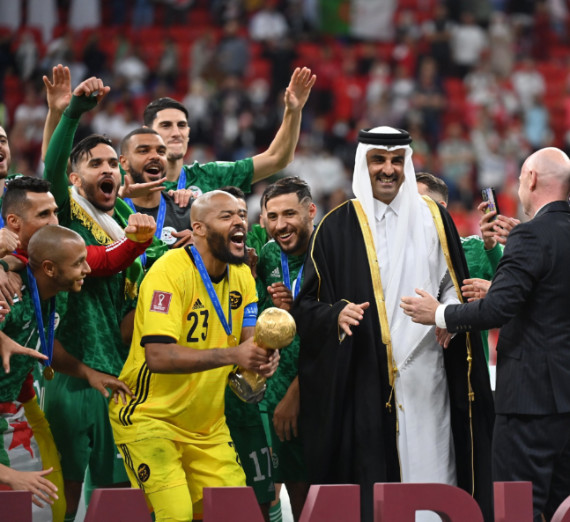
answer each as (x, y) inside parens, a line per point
(274, 330)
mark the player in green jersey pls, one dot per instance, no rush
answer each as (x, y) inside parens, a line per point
(170, 119)
(290, 220)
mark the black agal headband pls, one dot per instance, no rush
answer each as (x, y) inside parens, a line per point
(386, 140)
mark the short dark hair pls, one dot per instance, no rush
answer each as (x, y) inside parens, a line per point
(135, 132)
(234, 191)
(15, 200)
(83, 148)
(288, 185)
(434, 184)
(160, 104)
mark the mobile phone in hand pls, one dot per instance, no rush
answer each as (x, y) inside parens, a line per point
(490, 196)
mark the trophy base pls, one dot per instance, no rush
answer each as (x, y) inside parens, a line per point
(244, 390)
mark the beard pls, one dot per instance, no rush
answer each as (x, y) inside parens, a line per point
(90, 192)
(136, 175)
(303, 236)
(218, 245)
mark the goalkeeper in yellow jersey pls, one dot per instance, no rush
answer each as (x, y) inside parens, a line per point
(195, 317)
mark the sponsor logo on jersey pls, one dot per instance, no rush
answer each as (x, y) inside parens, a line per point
(235, 300)
(276, 273)
(160, 302)
(197, 305)
(143, 471)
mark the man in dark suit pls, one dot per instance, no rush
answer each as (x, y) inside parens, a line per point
(530, 299)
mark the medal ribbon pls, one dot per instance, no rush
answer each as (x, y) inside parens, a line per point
(182, 179)
(287, 279)
(46, 344)
(159, 221)
(212, 293)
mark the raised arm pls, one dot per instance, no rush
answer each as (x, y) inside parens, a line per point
(85, 96)
(282, 149)
(58, 94)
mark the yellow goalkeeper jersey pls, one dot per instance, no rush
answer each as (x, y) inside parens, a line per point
(174, 307)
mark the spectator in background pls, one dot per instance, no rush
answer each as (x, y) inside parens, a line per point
(437, 32)
(27, 133)
(429, 100)
(168, 64)
(132, 69)
(268, 23)
(468, 41)
(528, 82)
(457, 159)
(232, 53)
(26, 56)
(537, 129)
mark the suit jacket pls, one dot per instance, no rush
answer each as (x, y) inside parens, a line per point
(530, 300)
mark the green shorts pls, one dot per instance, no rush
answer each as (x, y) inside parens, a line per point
(79, 420)
(255, 456)
(288, 458)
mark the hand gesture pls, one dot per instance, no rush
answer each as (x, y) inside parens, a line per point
(140, 190)
(281, 296)
(503, 227)
(297, 93)
(8, 347)
(9, 241)
(487, 225)
(101, 381)
(58, 91)
(351, 315)
(420, 309)
(184, 237)
(93, 87)
(442, 336)
(10, 285)
(182, 197)
(140, 227)
(42, 489)
(475, 288)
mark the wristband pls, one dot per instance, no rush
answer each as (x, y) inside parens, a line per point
(4, 265)
(79, 105)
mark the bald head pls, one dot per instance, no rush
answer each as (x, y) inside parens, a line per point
(210, 203)
(545, 177)
(52, 243)
(551, 165)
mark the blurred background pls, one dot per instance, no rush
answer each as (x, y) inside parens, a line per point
(479, 84)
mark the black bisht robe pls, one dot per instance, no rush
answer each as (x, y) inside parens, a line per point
(349, 434)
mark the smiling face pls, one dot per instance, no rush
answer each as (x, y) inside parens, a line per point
(290, 222)
(5, 157)
(386, 170)
(172, 125)
(72, 267)
(98, 178)
(145, 158)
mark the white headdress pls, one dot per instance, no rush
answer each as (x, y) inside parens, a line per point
(409, 247)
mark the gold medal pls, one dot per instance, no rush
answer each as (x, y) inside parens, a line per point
(232, 341)
(48, 373)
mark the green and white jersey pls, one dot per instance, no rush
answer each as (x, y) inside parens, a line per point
(269, 271)
(21, 326)
(211, 176)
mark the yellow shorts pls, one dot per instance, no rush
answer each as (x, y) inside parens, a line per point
(172, 474)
